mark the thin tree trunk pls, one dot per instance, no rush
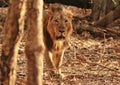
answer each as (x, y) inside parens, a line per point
(14, 27)
(34, 44)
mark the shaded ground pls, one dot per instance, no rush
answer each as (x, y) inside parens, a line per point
(88, 61)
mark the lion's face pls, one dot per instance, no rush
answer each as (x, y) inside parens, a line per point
(60, 25)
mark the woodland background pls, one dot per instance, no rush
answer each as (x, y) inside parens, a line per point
(93, 57)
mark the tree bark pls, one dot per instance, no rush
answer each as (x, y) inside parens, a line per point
(14, 26)
(34, 45)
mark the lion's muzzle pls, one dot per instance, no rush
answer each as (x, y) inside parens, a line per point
(61, 37)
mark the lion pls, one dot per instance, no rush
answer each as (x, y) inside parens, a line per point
(57, 26)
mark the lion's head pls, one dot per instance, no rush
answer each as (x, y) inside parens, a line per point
(59, 25)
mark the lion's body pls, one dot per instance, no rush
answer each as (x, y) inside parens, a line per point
(57, 29)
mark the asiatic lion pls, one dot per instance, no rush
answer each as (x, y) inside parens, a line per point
(57, 30)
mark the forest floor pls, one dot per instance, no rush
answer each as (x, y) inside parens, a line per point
(88, 61)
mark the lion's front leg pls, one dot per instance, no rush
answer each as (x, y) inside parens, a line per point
(54, 61)
(57, 60)
(48, 59)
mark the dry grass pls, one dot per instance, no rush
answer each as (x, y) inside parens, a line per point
(86, 62)
(90, 62)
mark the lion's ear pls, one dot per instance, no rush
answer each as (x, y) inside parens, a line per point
(47, 13)
(56, 7)
(69, 12)
(47, 9)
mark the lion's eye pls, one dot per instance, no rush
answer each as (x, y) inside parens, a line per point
(66, 21)
(56, 21)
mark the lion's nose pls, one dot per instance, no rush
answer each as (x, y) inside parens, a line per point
(62, 30)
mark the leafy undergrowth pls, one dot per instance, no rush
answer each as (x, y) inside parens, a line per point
(88, 61)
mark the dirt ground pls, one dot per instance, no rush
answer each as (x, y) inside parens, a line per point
(88, 61)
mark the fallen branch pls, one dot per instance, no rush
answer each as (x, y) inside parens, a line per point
(109, 18)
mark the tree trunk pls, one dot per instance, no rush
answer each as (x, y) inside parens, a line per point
(34, 44)
(14, 26)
